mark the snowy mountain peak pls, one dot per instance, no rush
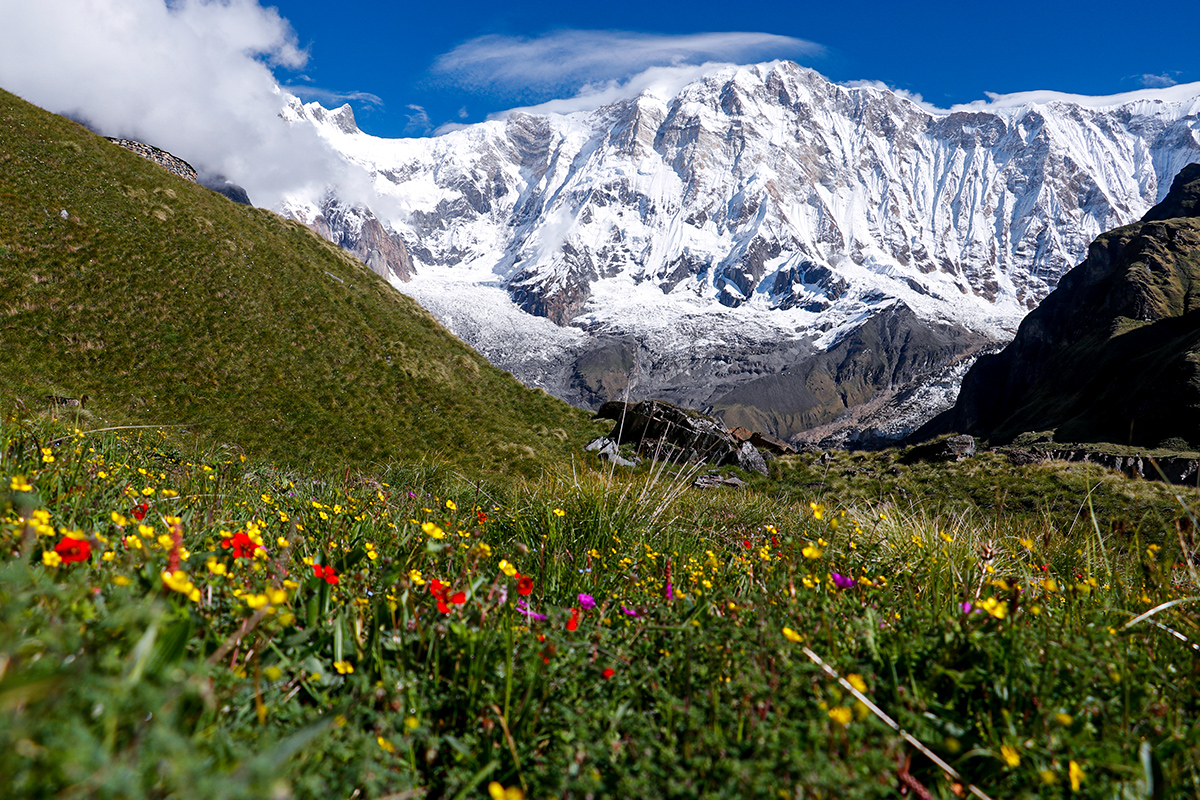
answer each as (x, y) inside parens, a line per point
(757, 209)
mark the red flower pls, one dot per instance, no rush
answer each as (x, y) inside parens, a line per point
(573, 622)
(442, 592)
(608, 673)
(243, 546)
(139, 511)
(524, 584)
(72, 550)
(746, 544)
(482, 517)
(329, 574)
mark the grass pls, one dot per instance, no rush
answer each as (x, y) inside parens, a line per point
(164, 302)
(246, 674)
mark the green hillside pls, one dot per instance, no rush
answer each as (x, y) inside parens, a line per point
(165, 303)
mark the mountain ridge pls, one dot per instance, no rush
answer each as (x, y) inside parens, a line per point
(762, 212)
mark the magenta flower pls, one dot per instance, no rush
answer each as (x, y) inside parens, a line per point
(522, 608)
(967, 608)
(670, 595)
(841, 581)
(587, 602)
(631, 612)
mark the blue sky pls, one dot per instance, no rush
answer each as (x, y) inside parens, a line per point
(417, 59)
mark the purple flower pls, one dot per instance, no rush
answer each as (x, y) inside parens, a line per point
(587, 602)
(524, 609)
(670, 595)
(631, 612)
(412, 495)
(967, 608)
(841, 581)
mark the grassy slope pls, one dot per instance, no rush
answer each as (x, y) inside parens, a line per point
(164, 302)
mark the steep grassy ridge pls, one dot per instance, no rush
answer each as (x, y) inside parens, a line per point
(164, 302)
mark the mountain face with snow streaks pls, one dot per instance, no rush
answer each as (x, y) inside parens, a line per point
(690, 241)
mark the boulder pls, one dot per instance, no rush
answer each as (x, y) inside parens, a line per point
(663, 431)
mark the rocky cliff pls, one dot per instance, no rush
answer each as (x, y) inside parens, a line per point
(1113, 354)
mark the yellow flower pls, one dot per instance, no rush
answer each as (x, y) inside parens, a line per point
(148, 491)
(166, 542)
(411, 723)
(558, 512)
(266, 498)
(414, 575)
(109, 555)
(121, 580)
(792, 636)
(1075, 774)
(1010, 756)
(998, 609)
(19, 484)
(1064, 719)
(51, 558)
(1048, 777)
(47, 455)
(214, 566)
(498, 792)
(812, 552)
(119, 520)
(256, 601)
(133, 542)
(343, 667)
(818, 510)
(507, 568)
(433, 530)
(385, 745)
(450, 504)
(841, 715)
(273, 673)
(855, 680)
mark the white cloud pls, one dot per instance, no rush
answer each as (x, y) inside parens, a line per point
(419, 122)
(542, 67)
(193, 77)
(1157, 81)
(330, 99)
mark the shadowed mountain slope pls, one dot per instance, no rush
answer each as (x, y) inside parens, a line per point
(1113, 354)
(166, 303)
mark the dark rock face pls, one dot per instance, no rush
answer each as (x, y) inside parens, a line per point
(955, 448)
(666, 432)
(223, 186)
(890, 350)
(361, 233)
(1113, 354)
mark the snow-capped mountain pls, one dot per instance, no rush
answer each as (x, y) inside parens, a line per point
(705, 244)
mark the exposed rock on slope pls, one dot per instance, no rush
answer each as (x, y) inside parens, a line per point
(1113, 354)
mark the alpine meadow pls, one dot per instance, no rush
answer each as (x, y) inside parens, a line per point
(270, 531)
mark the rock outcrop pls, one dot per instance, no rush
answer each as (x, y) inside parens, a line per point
(1113, 354)
(663, 431)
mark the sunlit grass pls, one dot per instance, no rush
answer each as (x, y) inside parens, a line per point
(266, 631)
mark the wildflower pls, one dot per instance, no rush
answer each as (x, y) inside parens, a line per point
(558, 512)
(855, 680)
(256, 601)
(51, 558)
(841, 715)
(507, 568)
(587, 602)
(328, 574)
(411, 723)
(630, 611)
(121, 580)
(442, 592)
(1075, 774)
(450, 504)
(343, 667)
(1011, 757)
(522, 608)
(47, 455)
(119, 519)
(811, 552)
(414, 575)
(841, 581)
(818, 510)
(497, 792)
(214, 566)
(71, 550)
(133, 542)
(994, 607)
(608, 673)
(524, 585)
(177, 581)
(792, 636)
(139, 511)
(19, 484)
(241, 544)
(433, 531)
(385, 745)
(573, 622)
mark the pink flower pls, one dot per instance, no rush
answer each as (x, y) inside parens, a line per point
(522, 608)
(587, 602)
(841, 581)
